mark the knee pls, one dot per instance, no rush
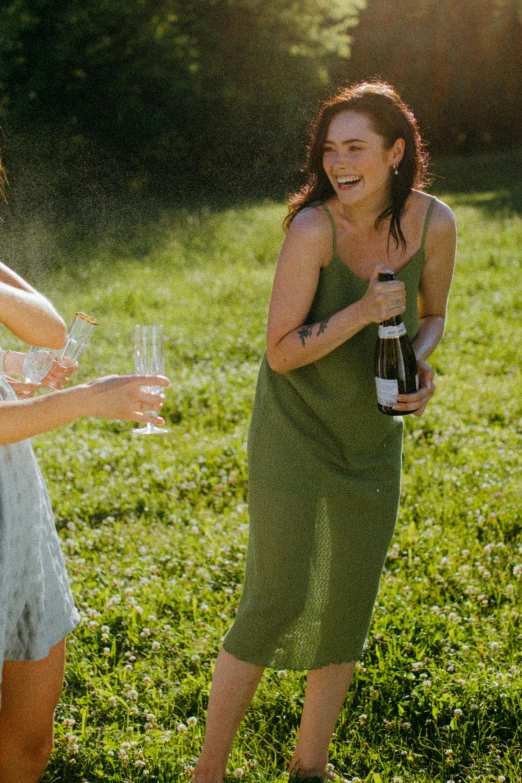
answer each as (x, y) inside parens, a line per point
(30, 754)
(39, 751)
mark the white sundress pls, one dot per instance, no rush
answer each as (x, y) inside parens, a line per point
(36, 604)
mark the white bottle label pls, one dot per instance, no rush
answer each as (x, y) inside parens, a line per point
(387, 391)
(389, 332)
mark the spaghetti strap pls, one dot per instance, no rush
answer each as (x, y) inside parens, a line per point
(427, 221)
(332, 221)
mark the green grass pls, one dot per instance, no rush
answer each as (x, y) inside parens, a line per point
(155, 530)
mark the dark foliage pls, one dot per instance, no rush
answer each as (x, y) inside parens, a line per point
(208, 100)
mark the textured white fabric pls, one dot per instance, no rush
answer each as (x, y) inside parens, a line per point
(36, 604)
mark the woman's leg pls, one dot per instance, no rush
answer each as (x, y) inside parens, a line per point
(30, 693)
(326, 691)
(233, 687)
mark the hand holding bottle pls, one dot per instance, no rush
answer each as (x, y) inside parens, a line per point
(383, 299)
(416, 403)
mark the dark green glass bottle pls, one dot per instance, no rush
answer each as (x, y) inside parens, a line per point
(395, 362)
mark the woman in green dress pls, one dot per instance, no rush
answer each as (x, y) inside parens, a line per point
(324, 462)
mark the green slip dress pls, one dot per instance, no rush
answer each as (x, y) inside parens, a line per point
(324, 482)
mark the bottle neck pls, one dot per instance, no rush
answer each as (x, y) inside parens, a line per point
(385, 277)
(395, 321)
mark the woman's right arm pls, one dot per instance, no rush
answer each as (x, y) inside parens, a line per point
(113, 397)
(28, 314)
(291, 342)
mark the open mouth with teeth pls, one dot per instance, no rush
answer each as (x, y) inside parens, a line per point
(345, 183)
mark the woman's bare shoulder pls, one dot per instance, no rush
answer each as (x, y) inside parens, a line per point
(311, 220)
(441, 219)
(310, 235)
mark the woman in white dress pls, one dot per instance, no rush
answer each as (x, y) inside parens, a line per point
(36, 606)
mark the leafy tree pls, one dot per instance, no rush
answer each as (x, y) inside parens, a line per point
(198, 88)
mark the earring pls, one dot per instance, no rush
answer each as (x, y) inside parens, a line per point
(396, 169)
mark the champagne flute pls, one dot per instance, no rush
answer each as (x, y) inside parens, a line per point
(77, 340)
(149, 360)
(37, 364)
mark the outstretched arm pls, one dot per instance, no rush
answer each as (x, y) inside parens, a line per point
(27, 313)
(113, 397)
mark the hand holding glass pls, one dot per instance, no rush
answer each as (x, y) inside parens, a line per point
(77, 340)
(149, 360)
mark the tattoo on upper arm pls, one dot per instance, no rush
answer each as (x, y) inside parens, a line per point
(322, 326)
(304, 332)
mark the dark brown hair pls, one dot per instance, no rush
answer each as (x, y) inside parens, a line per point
(392, 119)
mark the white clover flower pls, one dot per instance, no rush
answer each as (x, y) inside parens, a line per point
(107, 652)
(155, 646)
(494, 646)
(239, 772)
(204, 607)
(282, 673)
(68, 723)
(181, 728)
(146, 632)
(501, 779)
(457, 713)
(112, 701)
(192, 721)
(363, 719)
(133, 695)
(139, 763)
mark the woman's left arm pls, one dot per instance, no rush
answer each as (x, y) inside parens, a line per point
(27, 313)
(434, 291)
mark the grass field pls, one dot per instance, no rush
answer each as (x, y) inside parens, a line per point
(155, 530)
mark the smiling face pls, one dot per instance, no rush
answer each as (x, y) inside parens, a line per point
(356, 161)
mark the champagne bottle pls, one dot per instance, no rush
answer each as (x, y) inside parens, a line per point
(395, 362)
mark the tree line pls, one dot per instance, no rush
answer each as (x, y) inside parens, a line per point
(211, 98)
